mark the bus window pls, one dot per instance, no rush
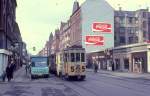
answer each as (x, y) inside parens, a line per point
(33, 64)
(77, 57)
(72, 57)
(82, 57)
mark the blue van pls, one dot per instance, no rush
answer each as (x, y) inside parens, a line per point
(39, 66)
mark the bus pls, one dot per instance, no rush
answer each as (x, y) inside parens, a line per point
(39, 66)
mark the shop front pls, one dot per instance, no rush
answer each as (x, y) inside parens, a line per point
(3, 61)
(132, 58)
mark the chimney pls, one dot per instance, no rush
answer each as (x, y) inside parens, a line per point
(120, 8)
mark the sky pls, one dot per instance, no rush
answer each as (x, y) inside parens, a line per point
(38, 18)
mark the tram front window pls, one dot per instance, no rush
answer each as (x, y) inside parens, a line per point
(72, 57)
(77, 57)
(82, 57)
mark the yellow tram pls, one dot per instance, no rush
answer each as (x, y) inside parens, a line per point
(71, 63)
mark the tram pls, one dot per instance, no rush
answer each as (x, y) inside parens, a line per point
(71, 63)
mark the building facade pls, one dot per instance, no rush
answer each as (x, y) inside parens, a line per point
(64, 35)
(55, 43)
(45, 51)
(132, 40)
(75, 25)
(115, 39)
(10, 36)
(131, 27)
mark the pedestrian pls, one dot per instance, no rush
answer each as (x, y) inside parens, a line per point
(8, 72)
(113, 66)
(12, 68)
(95, 67)
(4, 76)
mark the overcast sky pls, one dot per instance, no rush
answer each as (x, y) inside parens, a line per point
(38, 18)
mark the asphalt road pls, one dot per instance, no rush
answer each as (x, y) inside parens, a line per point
(99, 84)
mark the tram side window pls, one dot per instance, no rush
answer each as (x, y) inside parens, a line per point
(72, 57)
(65, 59)
(82, 57)
(77, 57)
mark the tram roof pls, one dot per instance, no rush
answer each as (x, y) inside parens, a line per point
(75, 47)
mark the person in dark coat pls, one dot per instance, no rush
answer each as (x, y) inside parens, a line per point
(12, 68)
(8, 72)
(95, 67)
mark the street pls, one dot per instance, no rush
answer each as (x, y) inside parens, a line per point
(96, 84)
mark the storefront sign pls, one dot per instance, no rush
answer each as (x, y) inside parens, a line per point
(95, 40)
(101, 27)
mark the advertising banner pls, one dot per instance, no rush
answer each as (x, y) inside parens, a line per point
(101, 27)
(94, 40)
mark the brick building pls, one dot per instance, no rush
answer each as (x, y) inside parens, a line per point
(10, 36)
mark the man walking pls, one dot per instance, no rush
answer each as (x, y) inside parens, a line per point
(8, 72)
(12, 68)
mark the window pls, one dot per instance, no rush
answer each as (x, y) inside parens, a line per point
(131, 40)
(144, 34)
(129, 30)
(82, 57)
(77, 57)
(65, 58)
(122, 20)
(122, 39)
(144, 14)
(130, 20)
(122, 30)
(144, 24)
(72, 57)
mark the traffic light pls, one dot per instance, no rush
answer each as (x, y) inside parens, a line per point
(34, 48)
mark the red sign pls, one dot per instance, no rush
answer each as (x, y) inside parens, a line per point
(94, 40)
(101, 27)
(147, 41)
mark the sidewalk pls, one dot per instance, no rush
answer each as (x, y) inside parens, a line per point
(18, 74)
(124, 74)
